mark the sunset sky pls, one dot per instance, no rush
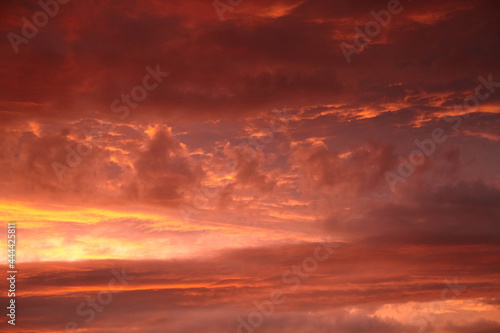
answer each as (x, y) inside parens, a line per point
(291, 166)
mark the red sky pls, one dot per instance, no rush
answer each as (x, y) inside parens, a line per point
(255, 141)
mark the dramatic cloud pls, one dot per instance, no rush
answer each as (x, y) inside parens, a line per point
(208, 147)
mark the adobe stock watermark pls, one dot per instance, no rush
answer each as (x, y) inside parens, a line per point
(150, 82)
(88, 309)
(427, 147)
(422, 317)
(295, 276)
(201, 198)
(222, 7)
(122, 105)
(40, 19)
(372, 29)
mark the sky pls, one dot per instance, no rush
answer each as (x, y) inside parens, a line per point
(251, 166)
